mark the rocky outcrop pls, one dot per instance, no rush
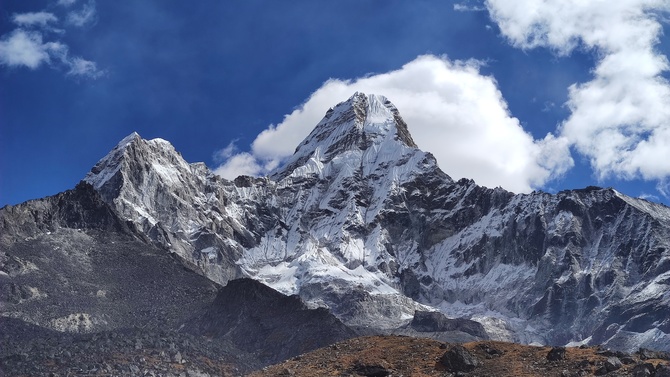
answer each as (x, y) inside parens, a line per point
(438, 322)
(458, 359)
(261, 321)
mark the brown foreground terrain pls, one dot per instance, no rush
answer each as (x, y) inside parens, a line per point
(396, 356)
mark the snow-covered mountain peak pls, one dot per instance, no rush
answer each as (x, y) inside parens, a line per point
(364, 223)
(133, 150)
(140, 177)
(363, 124)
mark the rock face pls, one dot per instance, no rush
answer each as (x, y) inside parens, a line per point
(363, 223)
(69, 263)
(263, 322)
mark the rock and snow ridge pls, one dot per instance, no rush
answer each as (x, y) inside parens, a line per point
(360, 221)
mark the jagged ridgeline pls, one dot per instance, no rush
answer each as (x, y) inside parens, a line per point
(362, 222)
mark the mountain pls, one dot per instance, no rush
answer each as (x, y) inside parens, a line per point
(363, 223)
(83, 291)
(69, 263)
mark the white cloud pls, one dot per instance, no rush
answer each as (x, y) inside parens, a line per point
(620, 119)
(66, 3)
(25, 45)
(34, 18)
(225, 153)
(239, 164)
(452, 111)
(83, 16)
(23, 48)
(82, 67)
(26, 48)
(462, 7)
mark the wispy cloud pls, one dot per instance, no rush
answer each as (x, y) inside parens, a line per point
(25, 46)
(83, 16)
(463, 7)
(66, 3)
(452, 111)
(620, 120)
(84, 68)
(34, 18)
(224, 154)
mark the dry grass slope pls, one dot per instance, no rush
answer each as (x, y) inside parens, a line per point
(405, 356)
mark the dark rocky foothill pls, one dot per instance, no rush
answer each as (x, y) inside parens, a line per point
(123, 352)
(262, 321)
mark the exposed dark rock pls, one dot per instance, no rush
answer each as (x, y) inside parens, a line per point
(662, 370)
(490, 351)
(435, 322)
(458, 359)
(647, 354)
(613, 363)
(556, 354)
(643, 370)
(371, 370)
(72, 264)
(256, 318)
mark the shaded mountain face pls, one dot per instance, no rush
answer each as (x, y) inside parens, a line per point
(363, 223)
(69, 263)
(261, 321)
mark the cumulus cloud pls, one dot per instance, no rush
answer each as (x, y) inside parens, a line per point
(452, 111)
(24, 48)
(34, 18)
(620, 120)
(239, 164)
(25, 45)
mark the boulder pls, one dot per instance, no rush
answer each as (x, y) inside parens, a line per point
(556, 354)
(459, 359)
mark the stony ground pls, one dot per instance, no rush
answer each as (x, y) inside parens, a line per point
(114, 353)
(403, 356)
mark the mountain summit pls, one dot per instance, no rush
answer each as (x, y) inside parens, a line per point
(363, 123)
(363, 223)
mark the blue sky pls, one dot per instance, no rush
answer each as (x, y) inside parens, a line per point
(529, 94)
